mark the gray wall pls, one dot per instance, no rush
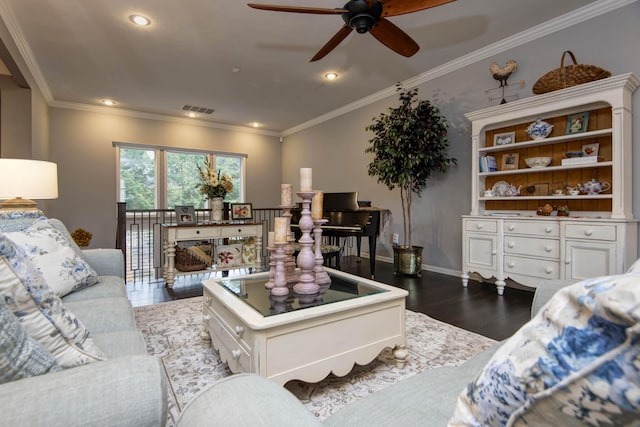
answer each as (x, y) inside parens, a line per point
(82, 146)
(335, 149)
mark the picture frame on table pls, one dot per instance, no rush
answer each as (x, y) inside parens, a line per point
(590, 150)
(185, 215)
(241, 211)
(510, 161)
(577, 123)
(504, 138)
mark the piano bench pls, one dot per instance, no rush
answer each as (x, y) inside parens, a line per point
(329, 253)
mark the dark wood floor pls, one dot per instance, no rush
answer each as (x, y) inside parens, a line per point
(477, 308)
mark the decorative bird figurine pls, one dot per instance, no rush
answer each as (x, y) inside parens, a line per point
(502, 73)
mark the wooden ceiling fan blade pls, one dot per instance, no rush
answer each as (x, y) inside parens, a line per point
(297, 9)
(400, 7)
(331, 44)
(394, 38)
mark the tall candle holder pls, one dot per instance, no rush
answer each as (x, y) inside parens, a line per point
(306, 260)
(280, 285)
(272, 268)
(322, 277)
(289, 263)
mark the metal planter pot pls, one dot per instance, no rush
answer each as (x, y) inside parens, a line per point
(407, 260)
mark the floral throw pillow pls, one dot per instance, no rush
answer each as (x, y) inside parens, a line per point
(577, 362)
(229, 256)
(54, 257)
(40, 310)
(20, 355)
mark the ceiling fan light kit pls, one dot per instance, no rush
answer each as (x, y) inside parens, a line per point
(366, 16)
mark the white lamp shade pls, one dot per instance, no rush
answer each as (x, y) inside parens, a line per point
(28, 179)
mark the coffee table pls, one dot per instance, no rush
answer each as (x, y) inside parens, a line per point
(304, 338)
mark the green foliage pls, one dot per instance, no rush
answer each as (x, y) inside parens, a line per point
(137, 178)
(410, 144)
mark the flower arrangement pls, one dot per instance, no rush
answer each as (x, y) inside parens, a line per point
(214, 184)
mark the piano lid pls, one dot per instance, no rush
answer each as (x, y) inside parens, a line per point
(340, 201)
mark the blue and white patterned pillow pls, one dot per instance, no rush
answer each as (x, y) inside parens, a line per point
(577, 362)
(20, 355)
(18, 220)
(41, 312)
(52, 254)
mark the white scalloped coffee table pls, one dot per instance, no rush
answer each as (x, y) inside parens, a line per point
(350, 323)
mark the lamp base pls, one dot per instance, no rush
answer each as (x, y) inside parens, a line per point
(18, 204)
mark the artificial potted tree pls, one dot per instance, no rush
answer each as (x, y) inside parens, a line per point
(409, 144)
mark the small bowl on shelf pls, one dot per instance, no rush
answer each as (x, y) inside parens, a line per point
(538, 162)
(572, 154)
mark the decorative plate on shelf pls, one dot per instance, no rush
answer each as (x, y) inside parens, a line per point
(500, 188)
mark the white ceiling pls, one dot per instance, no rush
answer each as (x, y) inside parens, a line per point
(82, 51)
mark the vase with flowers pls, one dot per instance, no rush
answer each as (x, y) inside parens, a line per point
(215, 186)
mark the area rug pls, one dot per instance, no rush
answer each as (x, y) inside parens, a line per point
(172, 332)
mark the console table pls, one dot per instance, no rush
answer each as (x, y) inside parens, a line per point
(180, 233)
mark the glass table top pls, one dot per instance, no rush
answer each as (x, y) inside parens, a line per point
(252, 291)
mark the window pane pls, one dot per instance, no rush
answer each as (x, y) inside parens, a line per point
(232, 166)
(138, 178)
(183, 179)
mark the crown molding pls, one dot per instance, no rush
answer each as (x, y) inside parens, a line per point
(562, 22)
(24, 50)
(156, 116)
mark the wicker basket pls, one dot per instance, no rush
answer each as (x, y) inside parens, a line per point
(185, 261)
(569, 75)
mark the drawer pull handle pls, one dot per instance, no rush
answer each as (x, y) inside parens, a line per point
(548, 229)
(206, 317)
(548, 270)
(548, 248)
(236, 354)
(567, 261)
(239, 331)
(511, 245)
(494, 252)
(479, 226)
(207, 299)
(197, 231)
(511, 264)
(239, 230)
(512, 227)
(588, 232)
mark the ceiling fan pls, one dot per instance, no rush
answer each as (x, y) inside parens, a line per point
(366, 16)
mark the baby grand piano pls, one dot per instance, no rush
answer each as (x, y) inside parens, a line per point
(345, 219)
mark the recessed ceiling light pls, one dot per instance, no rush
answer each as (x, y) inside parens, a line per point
(255, 124)
(108, 102)
(140, 20)
(331, 76)
(191, 114)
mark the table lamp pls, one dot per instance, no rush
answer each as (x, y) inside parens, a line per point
(23, 179)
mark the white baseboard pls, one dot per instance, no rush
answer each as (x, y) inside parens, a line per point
(433, 268)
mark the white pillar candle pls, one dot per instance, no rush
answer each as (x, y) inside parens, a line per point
(286, 194)
(316, 205)
(271, 239)
(305, 179)
(281, 229)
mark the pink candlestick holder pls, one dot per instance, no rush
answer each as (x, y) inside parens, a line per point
(280, 285)
(322, 277)
(289, 263)
(272, 268)
(306, 260)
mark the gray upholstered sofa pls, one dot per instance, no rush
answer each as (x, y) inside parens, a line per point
(126, 389)
(426, 399)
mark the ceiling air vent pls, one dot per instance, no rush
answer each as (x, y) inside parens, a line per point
(196, 109)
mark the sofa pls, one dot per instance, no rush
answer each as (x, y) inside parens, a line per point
(575, 363)
(100, 376)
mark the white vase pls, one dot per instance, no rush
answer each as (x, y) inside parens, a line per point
(217, 207)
